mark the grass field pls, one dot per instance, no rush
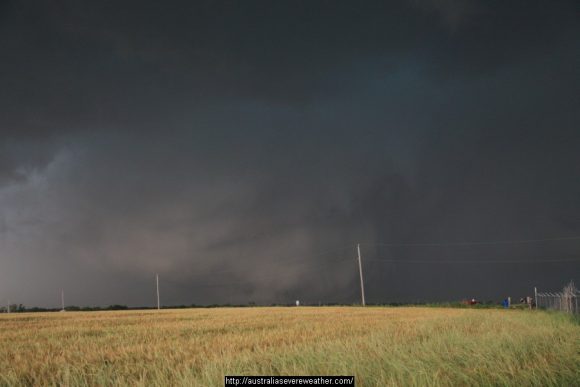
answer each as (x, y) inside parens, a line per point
(380, 346)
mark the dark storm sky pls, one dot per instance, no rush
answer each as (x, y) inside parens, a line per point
(241, 149)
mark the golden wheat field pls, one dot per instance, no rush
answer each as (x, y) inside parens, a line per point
(380, 346)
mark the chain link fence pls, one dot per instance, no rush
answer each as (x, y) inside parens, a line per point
(565, 301)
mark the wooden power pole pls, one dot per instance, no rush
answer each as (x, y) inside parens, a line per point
(157, 282)
(362, 284)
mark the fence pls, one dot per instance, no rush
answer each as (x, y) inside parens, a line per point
(566, 300)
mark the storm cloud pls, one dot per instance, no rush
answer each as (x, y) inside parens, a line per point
(242, 149)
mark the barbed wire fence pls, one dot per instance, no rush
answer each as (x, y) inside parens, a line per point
(565, 301)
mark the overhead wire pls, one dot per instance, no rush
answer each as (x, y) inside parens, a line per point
(476, 243)
(432, 261)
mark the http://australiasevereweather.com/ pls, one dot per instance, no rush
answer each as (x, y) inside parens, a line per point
(289, 380)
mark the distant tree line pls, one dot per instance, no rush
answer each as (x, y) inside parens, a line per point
(19, 308)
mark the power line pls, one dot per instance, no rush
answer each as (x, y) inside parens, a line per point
(390, 260)
(481, 243)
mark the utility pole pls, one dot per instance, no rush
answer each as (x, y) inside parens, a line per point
(362, 285)
(8, 308)
(62, 299)
(157, 281)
